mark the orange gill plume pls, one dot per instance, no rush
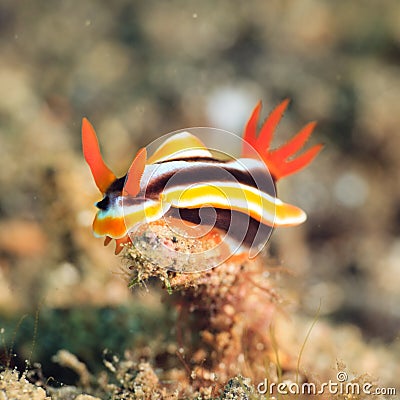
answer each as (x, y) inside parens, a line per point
(277, 160)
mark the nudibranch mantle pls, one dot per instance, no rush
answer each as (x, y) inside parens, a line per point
(185, 181)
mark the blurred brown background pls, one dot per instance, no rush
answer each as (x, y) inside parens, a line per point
(138, 70)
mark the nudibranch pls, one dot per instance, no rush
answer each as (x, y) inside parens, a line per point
(183, 179)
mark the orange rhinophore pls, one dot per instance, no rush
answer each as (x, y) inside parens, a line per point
(101, 173)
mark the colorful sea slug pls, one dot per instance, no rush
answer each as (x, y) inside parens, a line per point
(184, 180)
